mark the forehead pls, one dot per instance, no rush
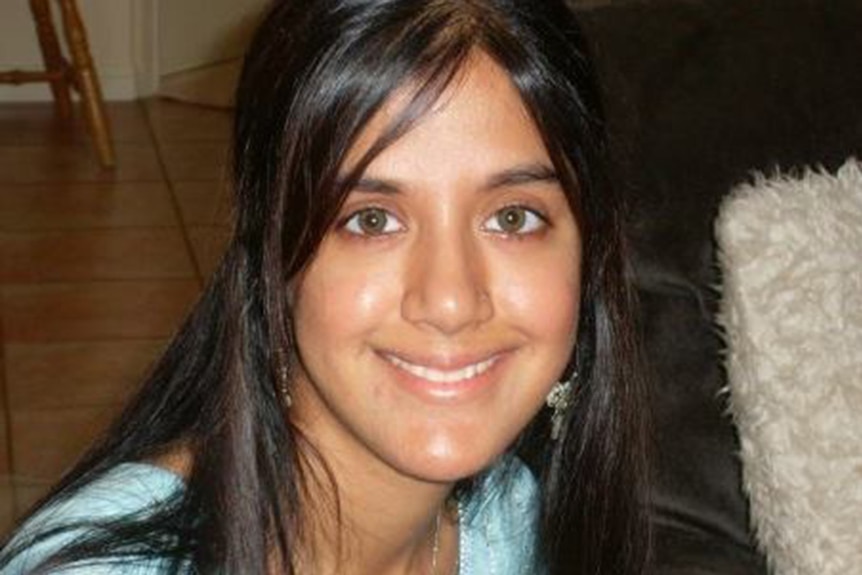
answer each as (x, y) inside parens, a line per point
(480, 113)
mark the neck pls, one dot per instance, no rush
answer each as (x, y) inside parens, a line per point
(384, 524)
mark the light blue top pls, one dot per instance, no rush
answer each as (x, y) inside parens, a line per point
(498, 529)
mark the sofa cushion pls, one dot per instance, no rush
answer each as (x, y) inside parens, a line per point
(699, 94)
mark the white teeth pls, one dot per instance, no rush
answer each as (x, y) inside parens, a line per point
(440, 376)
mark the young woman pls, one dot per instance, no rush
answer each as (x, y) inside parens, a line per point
(426, 253)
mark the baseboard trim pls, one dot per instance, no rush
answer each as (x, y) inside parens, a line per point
(114, 87)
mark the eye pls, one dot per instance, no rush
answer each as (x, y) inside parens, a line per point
(372, 222)
(515, 220)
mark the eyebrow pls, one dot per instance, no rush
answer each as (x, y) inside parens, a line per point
(516, 176)
(522, 175)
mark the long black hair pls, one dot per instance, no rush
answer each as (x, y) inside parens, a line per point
(316, 72)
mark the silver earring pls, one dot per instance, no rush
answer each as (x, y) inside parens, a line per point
(560, 399)
(282, 386)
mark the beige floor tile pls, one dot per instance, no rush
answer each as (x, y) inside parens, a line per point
(204, 203)
(174, 121)
(57, 375)
(196, 161)
(37, 124)
(83, 317)
(208, 245)
(77, 163)
(96, 311)
(92, 255)
(93, 205)
(47, 441)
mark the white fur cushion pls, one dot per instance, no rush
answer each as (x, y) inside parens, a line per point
(791, 255)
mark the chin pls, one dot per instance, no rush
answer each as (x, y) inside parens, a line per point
(444, 461)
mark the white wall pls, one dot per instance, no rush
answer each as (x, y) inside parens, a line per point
(220, 31)
(110, 28)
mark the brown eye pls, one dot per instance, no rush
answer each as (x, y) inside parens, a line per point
(372, 222)
(511, 220)
(515, 220)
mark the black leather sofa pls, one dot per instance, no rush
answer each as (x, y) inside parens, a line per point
(700, 93)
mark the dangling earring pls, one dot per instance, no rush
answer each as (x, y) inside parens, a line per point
(282, 386)
(560, 399)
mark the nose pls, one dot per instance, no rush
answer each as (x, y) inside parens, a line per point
(446, 287)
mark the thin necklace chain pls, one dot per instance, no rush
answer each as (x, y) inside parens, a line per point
(435, 549)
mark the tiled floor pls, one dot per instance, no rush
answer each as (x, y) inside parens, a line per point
(97, 269)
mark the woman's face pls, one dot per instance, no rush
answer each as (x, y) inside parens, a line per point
(442, 307)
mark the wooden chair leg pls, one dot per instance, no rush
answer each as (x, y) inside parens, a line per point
(87, 82)
(52, 56)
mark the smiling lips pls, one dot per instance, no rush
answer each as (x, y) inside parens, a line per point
(443, 376)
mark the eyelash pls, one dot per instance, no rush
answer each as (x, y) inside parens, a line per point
(544, 221)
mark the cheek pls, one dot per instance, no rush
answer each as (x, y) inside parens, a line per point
(338, 300)
(543, 301)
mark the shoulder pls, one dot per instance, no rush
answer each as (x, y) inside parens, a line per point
(126, 490)
(499, 528)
